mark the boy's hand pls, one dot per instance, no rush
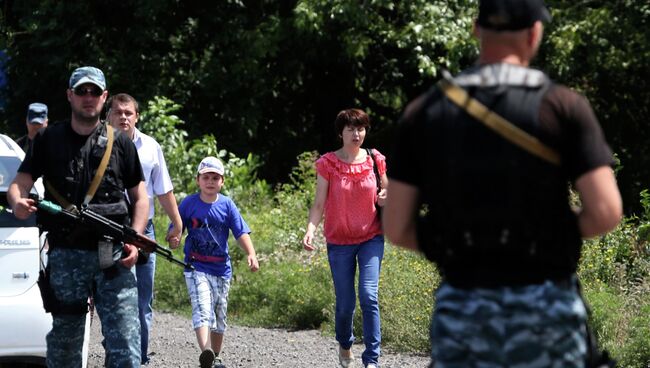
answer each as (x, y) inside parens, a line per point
(252, 263)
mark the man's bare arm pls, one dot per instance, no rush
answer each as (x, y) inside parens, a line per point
(140, 203)
(17, 196)
(602, 207)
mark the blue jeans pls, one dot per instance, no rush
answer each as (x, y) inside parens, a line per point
(145, 274)
(343, 260)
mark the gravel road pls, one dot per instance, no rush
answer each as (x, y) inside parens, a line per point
(173, 344)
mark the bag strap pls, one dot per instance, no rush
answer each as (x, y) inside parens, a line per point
(497, 123)
(375, 169)
(99, 174)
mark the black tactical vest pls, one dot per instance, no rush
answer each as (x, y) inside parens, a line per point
(70, 173)
(497, 215)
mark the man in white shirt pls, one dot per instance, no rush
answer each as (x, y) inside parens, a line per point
(123, 114)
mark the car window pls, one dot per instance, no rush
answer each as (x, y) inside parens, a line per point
(8, 168)
(7, 218)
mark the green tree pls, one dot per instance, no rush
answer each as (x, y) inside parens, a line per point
(266, 77)
(602, 49)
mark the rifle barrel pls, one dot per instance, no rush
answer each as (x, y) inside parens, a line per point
(111, 228)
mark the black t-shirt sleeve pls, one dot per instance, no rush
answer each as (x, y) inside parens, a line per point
(583, 146)
(130, 162)
(32, 163)
(403, 159)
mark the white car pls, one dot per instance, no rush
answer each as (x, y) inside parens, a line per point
(23, 321)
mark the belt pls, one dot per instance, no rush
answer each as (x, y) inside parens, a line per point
(203, 258)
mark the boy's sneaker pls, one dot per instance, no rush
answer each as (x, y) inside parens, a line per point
(218, 363)
(206, 358)
(371, 365)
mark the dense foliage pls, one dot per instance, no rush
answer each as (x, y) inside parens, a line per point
(267, 77)
(602, 48)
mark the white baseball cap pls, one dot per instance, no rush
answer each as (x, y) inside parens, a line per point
(210, 164)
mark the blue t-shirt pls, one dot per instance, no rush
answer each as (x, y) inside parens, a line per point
(207, 224)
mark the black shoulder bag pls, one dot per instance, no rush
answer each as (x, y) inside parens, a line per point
(377, 178)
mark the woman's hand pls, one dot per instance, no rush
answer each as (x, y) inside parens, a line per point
(381, 198)
(307, 241)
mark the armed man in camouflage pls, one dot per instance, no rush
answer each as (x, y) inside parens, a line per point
(68, 155)
(498, 222)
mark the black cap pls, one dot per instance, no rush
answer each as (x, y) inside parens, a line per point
(511, 15)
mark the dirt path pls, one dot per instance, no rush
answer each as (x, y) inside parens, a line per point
(173, 344)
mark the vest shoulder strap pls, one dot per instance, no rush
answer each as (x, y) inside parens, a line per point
(99, 174)
(497, 123)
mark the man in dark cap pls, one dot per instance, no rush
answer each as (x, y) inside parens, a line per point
(491, 153)
(36, 119)
(85, 162)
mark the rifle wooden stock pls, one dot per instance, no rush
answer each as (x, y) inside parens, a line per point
(102, 225)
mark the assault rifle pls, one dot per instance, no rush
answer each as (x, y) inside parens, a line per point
(107, 227)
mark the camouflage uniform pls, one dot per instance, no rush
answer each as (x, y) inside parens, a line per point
(530, 326)
(73, 274)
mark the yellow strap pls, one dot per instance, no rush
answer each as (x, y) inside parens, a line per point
(99, 174)
(59, 198)
(498, 124)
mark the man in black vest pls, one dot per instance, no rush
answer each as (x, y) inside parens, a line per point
(80, 262)
(499, 225)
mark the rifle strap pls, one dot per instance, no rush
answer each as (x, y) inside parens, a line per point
(497, 123)
(99, 174)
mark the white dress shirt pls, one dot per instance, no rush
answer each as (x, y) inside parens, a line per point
(154, 168)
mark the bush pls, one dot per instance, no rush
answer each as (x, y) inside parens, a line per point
(621, 324)
(292, 294)
(170, 292)
(406, 287)
(183, 156)
(615, 273)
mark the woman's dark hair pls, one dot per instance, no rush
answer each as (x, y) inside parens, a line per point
(351, 117)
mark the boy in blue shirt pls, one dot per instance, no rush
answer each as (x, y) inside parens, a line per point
(208, 216)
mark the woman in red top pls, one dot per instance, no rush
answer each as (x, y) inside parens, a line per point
(346, 191)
